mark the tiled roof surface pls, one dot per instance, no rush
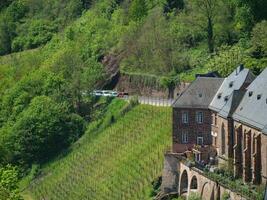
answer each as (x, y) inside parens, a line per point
(253, 108)
(226, 99)
(199, 93)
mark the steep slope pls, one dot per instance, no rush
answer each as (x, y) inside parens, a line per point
(120, 163)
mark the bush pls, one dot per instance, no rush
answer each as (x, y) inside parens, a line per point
(8, 183)
(194, 196)
(42, 130)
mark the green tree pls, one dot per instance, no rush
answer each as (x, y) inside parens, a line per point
(172, 5)
(208, 10)
(138, 10)
(43, 129)
(170, 83)
(259, 40)
(7, 28)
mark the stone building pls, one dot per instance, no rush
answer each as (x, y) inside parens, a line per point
(226, 116)
(250, 133)
(222, 106)
(191, 115)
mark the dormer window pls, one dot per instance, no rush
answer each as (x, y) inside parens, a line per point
(219, 95)
(200, 95)
(250, 93)
(226, 98)
(231, 84)
(258, 96)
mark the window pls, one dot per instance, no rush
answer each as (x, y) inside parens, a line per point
(199, 117)
(184, 137)
(185, 117)
(200, 141)
(197, 157)
(214, 119)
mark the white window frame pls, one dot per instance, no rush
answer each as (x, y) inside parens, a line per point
(199, 117)
(197, 157)
(202, 139)
(184, 137)
(185, 117)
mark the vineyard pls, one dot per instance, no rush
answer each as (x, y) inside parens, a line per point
(120, 162)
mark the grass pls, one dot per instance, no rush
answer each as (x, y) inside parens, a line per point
(120, 162)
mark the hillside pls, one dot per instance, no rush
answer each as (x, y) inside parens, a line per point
(119, 162)
(54, 53)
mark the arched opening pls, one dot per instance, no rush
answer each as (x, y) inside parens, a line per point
(193, 184)
(205, 190)
(184, 183)
(223, 139)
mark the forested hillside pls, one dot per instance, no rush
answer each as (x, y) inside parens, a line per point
(52, 55)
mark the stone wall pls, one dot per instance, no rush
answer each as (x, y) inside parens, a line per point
(250, 154)
(138, 85)
(170, 174)
(185, 180)
(222, 133)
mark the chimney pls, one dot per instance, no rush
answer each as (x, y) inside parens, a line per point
(239, 69)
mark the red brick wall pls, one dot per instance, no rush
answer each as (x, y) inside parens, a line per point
(228, 136)
(194, 129)
(258, 168)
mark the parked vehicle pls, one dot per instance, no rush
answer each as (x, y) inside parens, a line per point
(105, 93)
(97, 93)
(122, 94)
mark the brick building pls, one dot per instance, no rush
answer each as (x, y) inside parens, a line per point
(191, 116)
(228, 116)
(222, 106)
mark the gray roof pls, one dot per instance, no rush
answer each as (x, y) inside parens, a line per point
(232, 103)
(253, 108)
(226, 99)
(199, 93)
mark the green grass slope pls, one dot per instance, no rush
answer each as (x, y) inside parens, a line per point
(120, 162)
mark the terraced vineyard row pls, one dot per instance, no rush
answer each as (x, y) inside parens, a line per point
(120, 163)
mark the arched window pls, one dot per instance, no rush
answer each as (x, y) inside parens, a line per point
(184, 183)
(193, 184)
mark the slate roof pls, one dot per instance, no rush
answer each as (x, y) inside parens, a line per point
(253, 108)
(230, 93)
(199, 93)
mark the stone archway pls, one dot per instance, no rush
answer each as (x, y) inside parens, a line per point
(184, 183)
(193, 184)
(205, 190)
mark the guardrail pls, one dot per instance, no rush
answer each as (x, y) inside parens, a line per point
(154, 101)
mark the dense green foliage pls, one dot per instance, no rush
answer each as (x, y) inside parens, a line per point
(8, 183)
(120, 162)
(27, 24)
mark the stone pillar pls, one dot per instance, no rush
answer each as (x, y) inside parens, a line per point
(247, 157)
(170, 174)
(238, 169)
(256, 168)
